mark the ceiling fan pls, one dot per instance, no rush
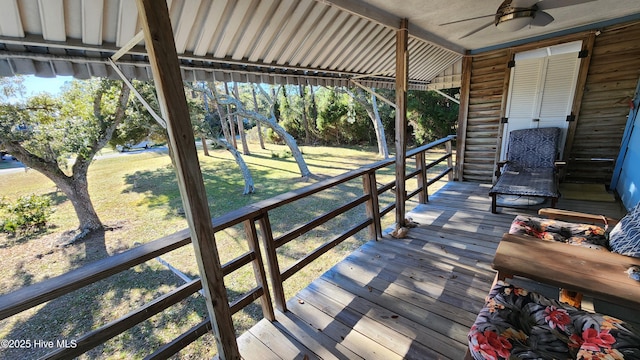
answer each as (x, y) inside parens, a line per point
(513, 15)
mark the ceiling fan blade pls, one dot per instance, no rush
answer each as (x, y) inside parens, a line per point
(524, 3)
(554, 4)
(467, 19)
(542, 19)
(476, 30)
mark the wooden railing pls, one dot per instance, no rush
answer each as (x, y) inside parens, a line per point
(257, 213)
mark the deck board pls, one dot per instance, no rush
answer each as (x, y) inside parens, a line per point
(412, 298)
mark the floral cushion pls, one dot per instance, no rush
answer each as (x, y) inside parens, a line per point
(625, 236)
(518, 324)
(585, 235)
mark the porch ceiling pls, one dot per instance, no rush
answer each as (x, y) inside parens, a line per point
(271, 41)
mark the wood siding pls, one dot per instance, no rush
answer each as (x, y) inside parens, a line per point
(611, 83)
(486, 90)
(613, 73)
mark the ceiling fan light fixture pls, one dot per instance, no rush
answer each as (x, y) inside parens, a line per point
(515, 19)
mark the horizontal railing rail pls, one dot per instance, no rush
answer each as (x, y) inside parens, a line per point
(249, 216)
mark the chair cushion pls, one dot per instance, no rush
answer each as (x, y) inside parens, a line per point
(527, 182)
(625, 236)
(533, 148)
(585, 235)
(518, 324)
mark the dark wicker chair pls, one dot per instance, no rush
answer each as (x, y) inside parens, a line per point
(530, 168)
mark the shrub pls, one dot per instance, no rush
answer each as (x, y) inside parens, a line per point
(29, 213)
(281, 155)
(273, 137)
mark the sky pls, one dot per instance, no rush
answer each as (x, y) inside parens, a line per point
(36, 85)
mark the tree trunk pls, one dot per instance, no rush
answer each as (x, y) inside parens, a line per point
(203, 137)
(75, 187)
(223, 122)
(205, 148)
(240, 120)
(293, 146)
(383, 150)
(232, 129)
(305, 122)
(77, 190)
(273, 124)
(255, 108)
(274, 96)
(246, 174)
(374, 115)
(314, 110)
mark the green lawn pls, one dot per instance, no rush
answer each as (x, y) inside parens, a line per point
(136, 194)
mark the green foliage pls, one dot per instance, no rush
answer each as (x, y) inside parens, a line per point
(343, 121)
(432, 115)
(57, 128)
(138, 124)
(30, 213)
(291, 112)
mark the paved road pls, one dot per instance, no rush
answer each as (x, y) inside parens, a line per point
(17, 166)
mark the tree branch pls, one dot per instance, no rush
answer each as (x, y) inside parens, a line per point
(84, 160)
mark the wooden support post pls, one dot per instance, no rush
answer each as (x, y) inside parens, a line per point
(258, 269)
(449, 159)
(503, 113)
(423, 196)
(402, 81)
(587, 45)
(274, 267)
(372, 206)
(173, 105)
(461, 139)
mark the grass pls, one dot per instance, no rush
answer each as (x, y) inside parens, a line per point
(137, 195)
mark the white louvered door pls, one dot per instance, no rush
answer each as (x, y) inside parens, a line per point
(541, 90)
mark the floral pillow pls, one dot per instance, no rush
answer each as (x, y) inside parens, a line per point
(591, 236)
(518, 324)
(625, 237)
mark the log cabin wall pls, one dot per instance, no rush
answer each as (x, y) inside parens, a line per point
(611, 82)
(485, 89)
(602, 109)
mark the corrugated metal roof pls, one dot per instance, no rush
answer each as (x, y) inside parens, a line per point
(270, 41)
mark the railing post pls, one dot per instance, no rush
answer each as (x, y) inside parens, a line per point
(163, 58)
(423, 196)
(402, 86)
(370, 187)
(272, 259)
(259, 269)
(449, 160)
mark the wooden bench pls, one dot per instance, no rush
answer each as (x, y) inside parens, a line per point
(600, 274)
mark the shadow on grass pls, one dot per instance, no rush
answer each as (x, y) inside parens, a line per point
(223, 183)
(84, 310)
(23, 237)
(56, 197)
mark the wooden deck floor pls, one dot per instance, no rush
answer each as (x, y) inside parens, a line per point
(413, 298)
